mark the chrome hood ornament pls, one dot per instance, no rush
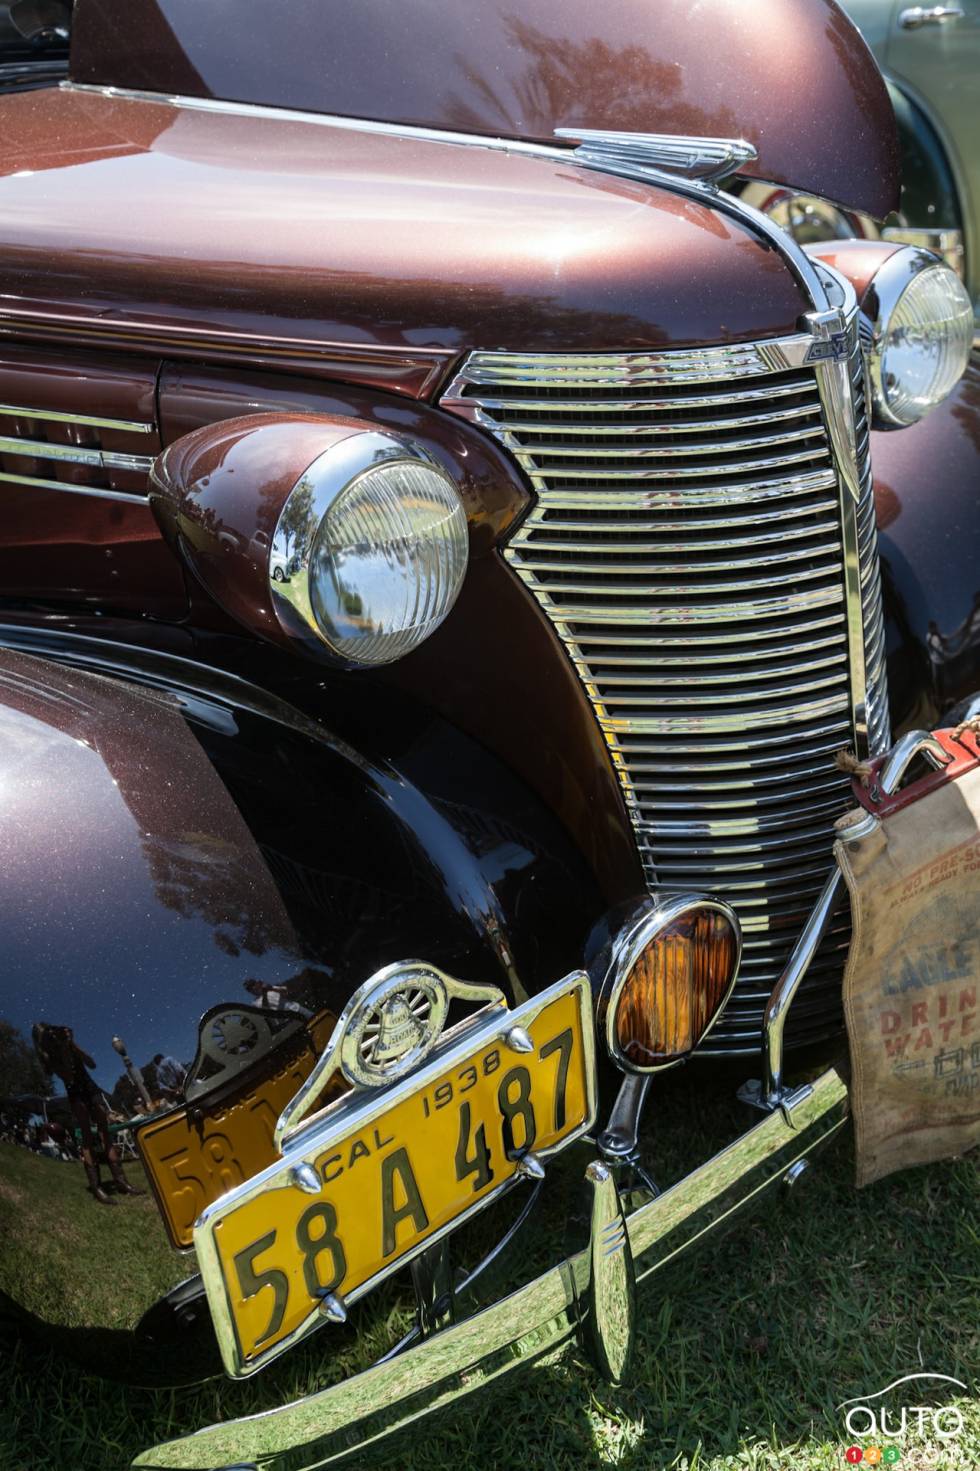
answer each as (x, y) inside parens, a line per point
(388, 1027)
(708, 160)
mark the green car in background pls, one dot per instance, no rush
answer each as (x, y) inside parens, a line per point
(930, 56)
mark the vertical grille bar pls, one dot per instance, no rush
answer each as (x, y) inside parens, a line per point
(688, 543)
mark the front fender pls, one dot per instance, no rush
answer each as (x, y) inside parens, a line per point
(207, 875)
(926, 490)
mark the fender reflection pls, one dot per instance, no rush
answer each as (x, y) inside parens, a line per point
(166, 864)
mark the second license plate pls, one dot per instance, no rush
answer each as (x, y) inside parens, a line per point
(395, 1176)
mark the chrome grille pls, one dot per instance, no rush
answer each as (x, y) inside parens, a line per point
(688, 542)
(79, 453)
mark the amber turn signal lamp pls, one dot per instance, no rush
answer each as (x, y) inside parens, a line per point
(670, 974)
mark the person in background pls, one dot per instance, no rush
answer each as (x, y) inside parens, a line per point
(61, 1138)
(60, 1054)
(170, 1075)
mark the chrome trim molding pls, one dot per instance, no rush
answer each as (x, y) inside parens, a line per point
(718, 594)
(316, 119)
(837, 332)
(357, 1111)
(707, 159)
(625, 369)
(92, 421)
(74, 454)
(332, 359)
(37, 483)
(342, 1421)
(866, 628)
(626, 950)
(29, 447)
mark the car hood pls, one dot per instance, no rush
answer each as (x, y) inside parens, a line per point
(140, 222)
(792, 77)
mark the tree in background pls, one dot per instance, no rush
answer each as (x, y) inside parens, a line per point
(20, 1067)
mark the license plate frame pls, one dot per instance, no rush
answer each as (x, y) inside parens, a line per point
(358, 1112)
(174, 1146)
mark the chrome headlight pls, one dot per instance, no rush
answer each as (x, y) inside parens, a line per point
(923, 333)
(370, 550)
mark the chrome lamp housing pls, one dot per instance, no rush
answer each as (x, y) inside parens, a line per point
(665, 978)
(922, 335)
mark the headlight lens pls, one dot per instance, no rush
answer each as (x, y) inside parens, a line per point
(922, 338)
(378, 555)
(388, 562)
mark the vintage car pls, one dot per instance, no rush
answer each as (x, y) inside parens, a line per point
(930, 57)
(440, 567)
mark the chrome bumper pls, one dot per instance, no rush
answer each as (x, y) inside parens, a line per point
(591, 1293)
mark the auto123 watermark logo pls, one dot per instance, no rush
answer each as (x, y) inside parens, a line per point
(886, 1418)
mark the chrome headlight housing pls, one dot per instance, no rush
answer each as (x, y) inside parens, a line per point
(923, 332)
(369, 551)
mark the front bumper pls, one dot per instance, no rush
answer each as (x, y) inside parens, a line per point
(589, 1294)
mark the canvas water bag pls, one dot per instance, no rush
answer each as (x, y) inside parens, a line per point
(912, 981)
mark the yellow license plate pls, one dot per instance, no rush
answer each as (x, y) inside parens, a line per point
(399, 1167)
(193, 1156)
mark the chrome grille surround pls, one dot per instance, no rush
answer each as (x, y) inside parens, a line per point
(697, 545)
(47, 449)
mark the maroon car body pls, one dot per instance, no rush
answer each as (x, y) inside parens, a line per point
(319, 213)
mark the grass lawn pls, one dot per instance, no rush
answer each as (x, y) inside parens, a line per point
(69, 1240)
(743, 1353)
